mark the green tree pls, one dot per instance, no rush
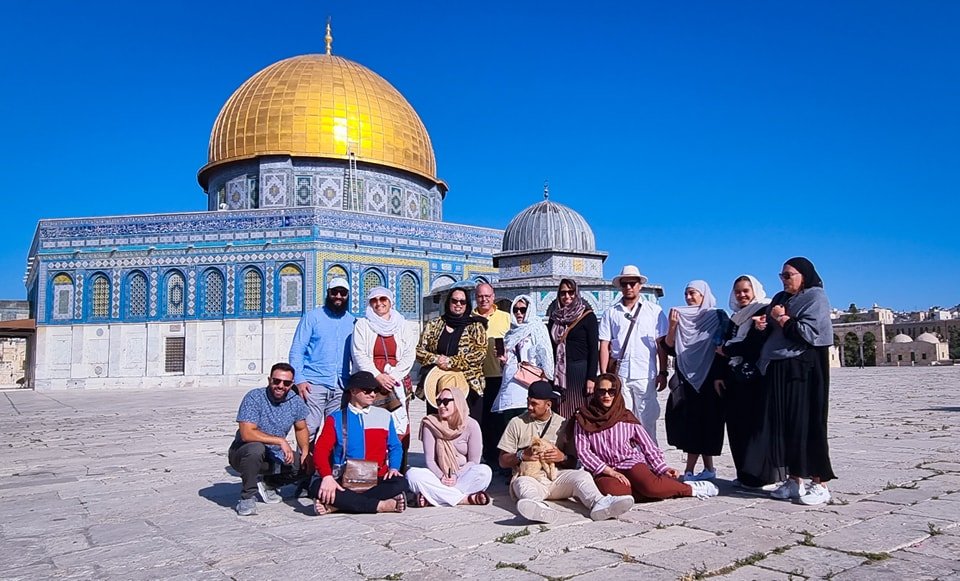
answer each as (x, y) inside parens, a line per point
(851, 351)
(853, 310)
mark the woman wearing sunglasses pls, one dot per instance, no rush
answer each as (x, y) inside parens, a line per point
(452, 445)
(385, 344)
(623, 458)
(456, 341)
(795, 365)
(527, 341)
(574, 332)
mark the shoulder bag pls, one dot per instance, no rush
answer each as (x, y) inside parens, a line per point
(613, 365)
(355, 475)
(527, 373)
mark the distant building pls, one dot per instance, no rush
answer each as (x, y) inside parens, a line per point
(927, 349)
(13, 350)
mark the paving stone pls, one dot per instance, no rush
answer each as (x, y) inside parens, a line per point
(753, 573)
(813, 562)
(898, 567)
(573, 563)
(627, 570)
(882, 534)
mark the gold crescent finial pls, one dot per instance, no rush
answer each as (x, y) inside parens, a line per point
(329, 38)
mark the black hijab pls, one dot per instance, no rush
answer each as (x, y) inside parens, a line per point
(806, 268)
(458, 322)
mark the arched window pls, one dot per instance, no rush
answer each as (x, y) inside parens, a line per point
(213, 293)
(62, 296)
(408, 294)
(335, 271)
(252, 291)
(174, 295)
(371, 278)
(291, 289)
(481, 280)
(442, 281)
(100, 297)
(137, 295)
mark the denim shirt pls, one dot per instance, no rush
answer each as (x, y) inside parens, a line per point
(320, 352)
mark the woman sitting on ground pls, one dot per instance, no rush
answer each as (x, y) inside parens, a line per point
(623, 458)
(452, 446)
(371, 436)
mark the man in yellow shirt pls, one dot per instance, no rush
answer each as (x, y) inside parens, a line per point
(498, 323)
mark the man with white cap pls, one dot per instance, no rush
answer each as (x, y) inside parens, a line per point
(628, 347)
(320, 354)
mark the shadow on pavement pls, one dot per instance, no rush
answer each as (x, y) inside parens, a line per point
(223, 493)
(941, 409)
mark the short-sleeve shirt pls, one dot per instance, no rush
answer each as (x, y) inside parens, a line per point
(521, 429)
(274, 419)
(640, 360)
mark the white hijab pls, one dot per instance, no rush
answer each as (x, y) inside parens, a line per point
(695, 331)
(531, 326)
(384, 326)
(743, 314)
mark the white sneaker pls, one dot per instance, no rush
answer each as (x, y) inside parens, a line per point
(611, 507)
(267, 494)
(537, 511)
(704, 489)
(789, 489)
(816, 494)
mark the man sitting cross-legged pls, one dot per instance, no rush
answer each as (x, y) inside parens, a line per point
(260, 451)
(516, 448)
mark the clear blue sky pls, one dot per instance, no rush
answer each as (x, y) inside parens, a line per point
(701, 139)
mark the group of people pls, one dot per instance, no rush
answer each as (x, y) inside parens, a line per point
(569, 408)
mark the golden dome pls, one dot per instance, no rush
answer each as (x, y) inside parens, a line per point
(320, 105)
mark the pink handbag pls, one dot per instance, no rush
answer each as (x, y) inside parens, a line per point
(528, 373)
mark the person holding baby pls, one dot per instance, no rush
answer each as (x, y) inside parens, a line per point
(543, 463)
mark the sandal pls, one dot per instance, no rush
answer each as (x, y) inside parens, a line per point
(479, 498)
(320, 509)
(422, 501)
(401, 500)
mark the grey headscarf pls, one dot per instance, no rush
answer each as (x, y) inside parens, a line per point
(810, 309)
(694, 342)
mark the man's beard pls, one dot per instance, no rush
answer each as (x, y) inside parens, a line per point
(337, 310)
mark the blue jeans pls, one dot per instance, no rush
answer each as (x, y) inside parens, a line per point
(321, 401)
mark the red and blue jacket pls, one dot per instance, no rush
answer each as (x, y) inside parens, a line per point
(370, 436)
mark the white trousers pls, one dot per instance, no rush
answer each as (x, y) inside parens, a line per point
(578, 484)
(640, 397)
(474, 479)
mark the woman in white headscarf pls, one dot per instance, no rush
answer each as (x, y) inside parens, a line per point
(694, 417)
(385, 344)
(742, 384)
(526, 341)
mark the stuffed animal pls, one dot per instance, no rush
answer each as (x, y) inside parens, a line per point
(536, 467)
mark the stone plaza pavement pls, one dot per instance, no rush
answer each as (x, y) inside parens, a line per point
(135, 485)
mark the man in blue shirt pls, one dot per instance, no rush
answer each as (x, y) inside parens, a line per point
(320, 354)
(260, 446)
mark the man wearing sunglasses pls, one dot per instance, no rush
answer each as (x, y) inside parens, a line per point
(260, 451)
(320, 354)
(628, 348)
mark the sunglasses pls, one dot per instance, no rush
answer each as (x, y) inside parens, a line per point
(444, 401)
(283, 382)
(602, 392)
(458, 301)
(788, 275)
(624, 283)
(566, 293)
(520, 310)
(337, 292)
(379, 300)
(367, 390)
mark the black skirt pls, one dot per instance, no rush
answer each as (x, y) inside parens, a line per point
(744, 407)
(694, 420)
(795, 418)
(575, 395)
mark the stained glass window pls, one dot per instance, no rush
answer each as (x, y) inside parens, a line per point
(409, 292)
(371, 278)
(62, 296)
(291, 289)
(175, 295)
(252, 291)
(100, 297)
(213, 293)
(137, 295)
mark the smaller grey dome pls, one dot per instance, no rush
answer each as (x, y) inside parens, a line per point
(901, 338)
(928, 338)
(548, 226)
